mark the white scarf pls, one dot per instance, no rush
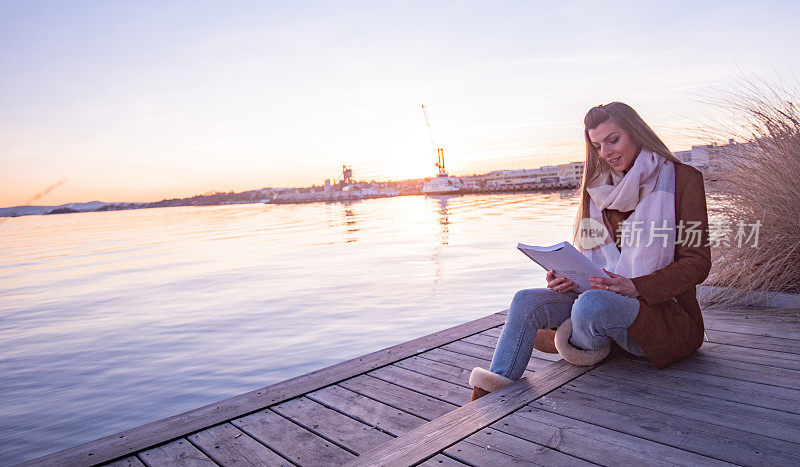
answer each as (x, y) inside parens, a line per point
(648, 234)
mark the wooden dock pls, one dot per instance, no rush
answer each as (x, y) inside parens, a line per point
(737, 400)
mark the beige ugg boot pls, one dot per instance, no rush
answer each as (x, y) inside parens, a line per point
(573, 354)
(484, 381)
(477, 393)
(545, 341)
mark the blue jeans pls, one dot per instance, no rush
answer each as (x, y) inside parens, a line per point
(597, 317)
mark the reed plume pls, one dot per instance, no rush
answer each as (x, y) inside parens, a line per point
(758, 179)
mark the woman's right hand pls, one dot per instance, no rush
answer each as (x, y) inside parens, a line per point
(560, 283)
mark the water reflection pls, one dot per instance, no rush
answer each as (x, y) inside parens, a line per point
(441, 202)
(351, 224)
(443, 220)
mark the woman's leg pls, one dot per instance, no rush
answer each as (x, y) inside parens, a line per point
(530, 310)
(599, 316)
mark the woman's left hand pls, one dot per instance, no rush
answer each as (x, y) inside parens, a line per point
(616, 283)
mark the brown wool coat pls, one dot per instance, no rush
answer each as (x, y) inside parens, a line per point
(669, 325)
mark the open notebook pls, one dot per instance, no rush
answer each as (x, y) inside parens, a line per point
(565, 260)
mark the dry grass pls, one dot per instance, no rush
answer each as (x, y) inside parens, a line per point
(761, 181)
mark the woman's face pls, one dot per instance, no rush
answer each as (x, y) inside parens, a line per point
(614, 145)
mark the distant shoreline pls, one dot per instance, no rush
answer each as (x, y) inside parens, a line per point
(249, 197)
(21, 211)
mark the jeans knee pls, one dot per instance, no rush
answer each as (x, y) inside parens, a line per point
(589, 308)
(529, 295)
(523, 305)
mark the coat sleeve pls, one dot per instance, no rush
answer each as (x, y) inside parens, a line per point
(692, 257)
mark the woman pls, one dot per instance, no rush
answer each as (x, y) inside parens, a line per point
(651, 211)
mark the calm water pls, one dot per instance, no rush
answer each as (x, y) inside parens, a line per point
(111, 320)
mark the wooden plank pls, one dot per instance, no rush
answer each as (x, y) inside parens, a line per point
(178, 452)
(766, 312)
(747, 328)
(468, 362)
(594, 443)
(131, 461)
(413, 402)
(742, 306)
(436, 369)
(756, 326)
(743, 371)
(728, 388)
(492, 447)
(472, 454)
(291, 441)
(440, 460)
(491, 342)
(761, 357)
(448, 357)
(452, 374)
(481, 351)
(427, 440)
(735, 415)
(756, 342)
(130, 441)
(466, 348)
(228, 445)
(708, 439)
(710, 296)
(481, 339)
(370, 411)
(349, 433)
(433, 387)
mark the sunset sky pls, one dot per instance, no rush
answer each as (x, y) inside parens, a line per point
(140, 100)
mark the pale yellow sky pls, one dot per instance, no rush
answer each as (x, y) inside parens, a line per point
(138, 101)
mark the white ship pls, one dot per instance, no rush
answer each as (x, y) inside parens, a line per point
(443, 184)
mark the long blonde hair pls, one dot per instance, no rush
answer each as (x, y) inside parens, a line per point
(639, 131)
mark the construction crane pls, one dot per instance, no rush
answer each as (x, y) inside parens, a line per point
(439, 151)
(347, 174)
